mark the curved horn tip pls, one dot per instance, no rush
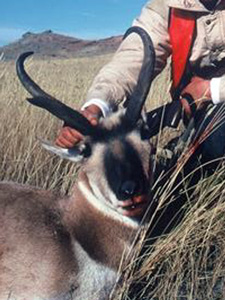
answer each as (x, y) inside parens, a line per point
(24, 55)
(140, 92)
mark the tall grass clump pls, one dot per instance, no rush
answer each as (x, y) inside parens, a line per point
(22, 158)
(187, 263)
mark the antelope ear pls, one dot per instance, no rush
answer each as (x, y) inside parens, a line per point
(74, 154)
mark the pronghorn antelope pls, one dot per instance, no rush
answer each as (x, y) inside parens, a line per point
(71, 247)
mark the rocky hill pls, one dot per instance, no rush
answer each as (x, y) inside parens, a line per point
(50, 44)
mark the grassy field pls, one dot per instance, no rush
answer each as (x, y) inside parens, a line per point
(187, 264)
(21, 156)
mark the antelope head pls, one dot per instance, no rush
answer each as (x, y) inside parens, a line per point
(115, 154)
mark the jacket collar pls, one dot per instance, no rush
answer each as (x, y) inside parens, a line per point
(191, 5)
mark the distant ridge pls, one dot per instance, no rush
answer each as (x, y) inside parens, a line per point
(50, 44)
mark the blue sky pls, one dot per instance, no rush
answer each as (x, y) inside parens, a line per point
(80, 18)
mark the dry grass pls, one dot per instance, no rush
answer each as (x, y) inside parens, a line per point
(187, 264)
(21, 156)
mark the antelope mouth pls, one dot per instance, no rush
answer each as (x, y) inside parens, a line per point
(134, 207)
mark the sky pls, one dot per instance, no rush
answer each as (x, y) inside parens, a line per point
(88, 19)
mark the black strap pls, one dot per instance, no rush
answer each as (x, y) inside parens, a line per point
(167, 115)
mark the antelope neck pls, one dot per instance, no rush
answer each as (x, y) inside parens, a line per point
(104, 238)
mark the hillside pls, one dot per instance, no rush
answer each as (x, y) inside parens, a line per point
(50, 44)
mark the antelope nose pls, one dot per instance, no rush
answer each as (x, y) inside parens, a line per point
(128, 189)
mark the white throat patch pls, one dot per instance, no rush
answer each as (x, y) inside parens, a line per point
(98, 201)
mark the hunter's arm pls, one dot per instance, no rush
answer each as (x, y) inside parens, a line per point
(117, 79)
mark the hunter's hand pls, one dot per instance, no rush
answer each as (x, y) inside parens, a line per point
(68, 137)
(199, 91)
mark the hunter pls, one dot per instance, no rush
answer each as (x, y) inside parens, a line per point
(192, 32)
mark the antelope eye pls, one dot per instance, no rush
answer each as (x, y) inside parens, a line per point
(85, 150)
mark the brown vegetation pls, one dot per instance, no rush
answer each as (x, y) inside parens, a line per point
(22, 159)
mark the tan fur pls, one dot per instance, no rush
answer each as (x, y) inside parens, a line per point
(38, 258)
(69, 248)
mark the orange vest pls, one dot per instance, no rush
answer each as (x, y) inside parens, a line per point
(181, 31)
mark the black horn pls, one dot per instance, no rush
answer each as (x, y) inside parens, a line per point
(137, 98)
(40, 98)
(25, 79)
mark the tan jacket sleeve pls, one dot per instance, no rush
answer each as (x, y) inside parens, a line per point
(118, 78)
